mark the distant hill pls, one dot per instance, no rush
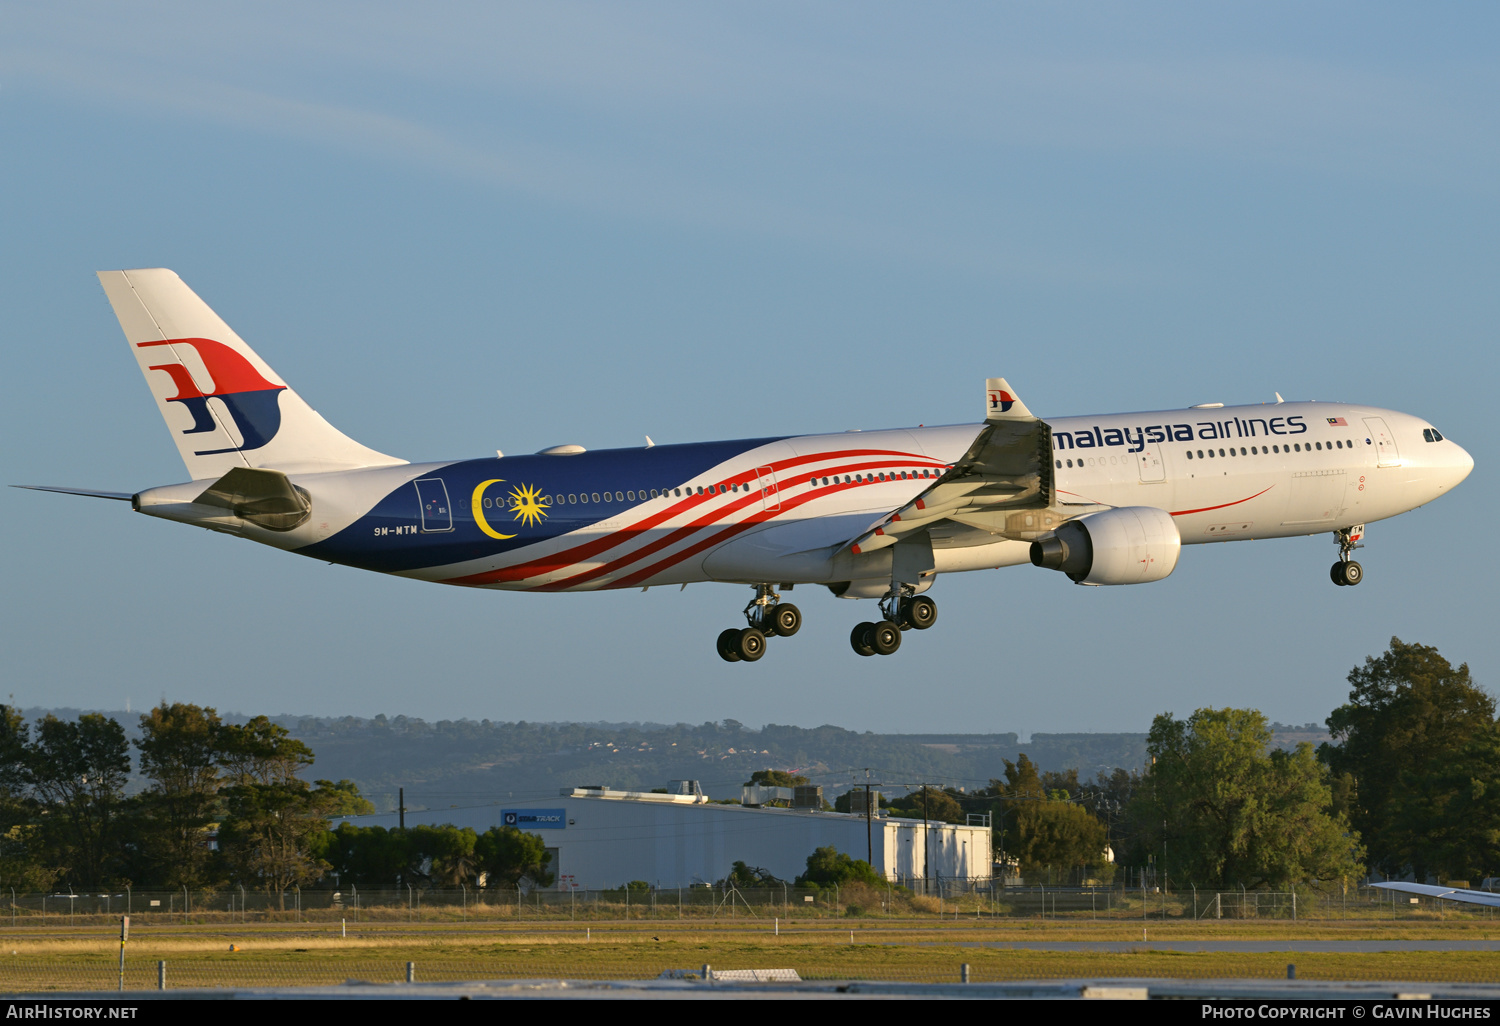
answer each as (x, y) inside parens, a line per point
(451, 762)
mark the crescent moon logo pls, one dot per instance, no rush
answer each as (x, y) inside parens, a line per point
(478, 506)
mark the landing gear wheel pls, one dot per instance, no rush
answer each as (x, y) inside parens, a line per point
(728, 644)
(1336, 573)
(885, 637)
(860, 638)
(750, 644)
(1351, 573)
(786, 619)
(919, 612)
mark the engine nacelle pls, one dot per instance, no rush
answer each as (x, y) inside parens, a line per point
(1130, 545)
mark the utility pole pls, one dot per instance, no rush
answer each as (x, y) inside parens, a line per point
(401, 808)
(869, 824)
(124, 936)
(926, 846)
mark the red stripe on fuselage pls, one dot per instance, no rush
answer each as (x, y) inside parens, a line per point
(1236, 502)
(688, 530)
(557, 561)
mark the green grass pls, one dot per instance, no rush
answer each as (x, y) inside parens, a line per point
(291, 955)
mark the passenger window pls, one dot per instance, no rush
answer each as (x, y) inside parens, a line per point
(1059, 464)
(1190, 454)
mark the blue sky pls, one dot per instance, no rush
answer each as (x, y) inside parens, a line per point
(464, 227)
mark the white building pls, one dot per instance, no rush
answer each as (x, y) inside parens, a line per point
(601, 838)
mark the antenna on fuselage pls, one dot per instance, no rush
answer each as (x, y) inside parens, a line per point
(1279, 400)
(650, 444)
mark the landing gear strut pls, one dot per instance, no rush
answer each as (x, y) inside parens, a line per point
(1346, 572)
(768, 617)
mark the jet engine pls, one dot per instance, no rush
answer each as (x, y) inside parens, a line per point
(1130, 545)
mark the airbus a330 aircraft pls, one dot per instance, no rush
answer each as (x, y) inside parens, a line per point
(1107, 499)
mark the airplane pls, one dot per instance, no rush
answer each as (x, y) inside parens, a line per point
(1106, 500)
(1487, 898)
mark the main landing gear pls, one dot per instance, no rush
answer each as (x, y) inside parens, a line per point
(768, 617)
(1346, 572)
(901, 612)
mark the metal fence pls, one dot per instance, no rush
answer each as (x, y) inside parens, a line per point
(956, 899)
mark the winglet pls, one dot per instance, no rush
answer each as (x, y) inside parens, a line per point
(1002, 403)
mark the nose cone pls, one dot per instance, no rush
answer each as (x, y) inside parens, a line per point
(1459, 465)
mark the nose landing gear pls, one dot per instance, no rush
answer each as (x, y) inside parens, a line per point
(768, 617)
(1346, 572)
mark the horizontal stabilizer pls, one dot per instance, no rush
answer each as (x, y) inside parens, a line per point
(121, 496)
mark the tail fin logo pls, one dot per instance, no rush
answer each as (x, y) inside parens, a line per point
(251, 400)
(1001, 400)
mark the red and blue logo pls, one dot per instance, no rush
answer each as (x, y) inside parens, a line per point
(251, 400)
(1001, 401)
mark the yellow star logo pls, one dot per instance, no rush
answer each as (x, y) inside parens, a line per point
(527, 504)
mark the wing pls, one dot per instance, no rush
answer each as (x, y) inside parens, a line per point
(1488, 898)
(1002, 485)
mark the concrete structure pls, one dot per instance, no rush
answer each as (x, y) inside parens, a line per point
(601, 838)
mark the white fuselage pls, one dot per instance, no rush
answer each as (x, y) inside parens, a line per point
(785, 510)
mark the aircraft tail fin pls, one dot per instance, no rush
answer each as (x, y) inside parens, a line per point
(224, 405)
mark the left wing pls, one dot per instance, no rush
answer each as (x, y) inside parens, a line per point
(1002, 485)
(1488, 898)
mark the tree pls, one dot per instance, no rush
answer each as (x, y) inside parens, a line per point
(1409, 714)
(938, 806)
(827, 867)
(1451, 813)
(77, 771)
(1220, 810)
(508, 856)
(445, 854)
(774, 778)
(272, 833)
(365, 856)
(21, 854)
(180, 750)
(343, 798)
(262, 752)
(742, 875)
(1054, 836)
